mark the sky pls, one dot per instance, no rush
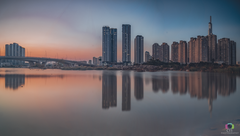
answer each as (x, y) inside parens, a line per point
(72, 29)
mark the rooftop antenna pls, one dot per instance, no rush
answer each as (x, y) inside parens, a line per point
(210, 19)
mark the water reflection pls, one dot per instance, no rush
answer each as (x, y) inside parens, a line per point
(14, 81)
(126, 92)
(200, 85)
(109, 90)
(160, 83)
(138, 86)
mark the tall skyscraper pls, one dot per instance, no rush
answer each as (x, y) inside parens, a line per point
(147, 56)
(212, 43)
(138, 49)
(182, 52)
(225, 51)
(191, 50)
(155, 51)
(14, 50)
(233, 46)
(109, 45)
(201, 49)
(174, 52)
(210, 26)
(164, 52)
(126, 43)
(113, 32)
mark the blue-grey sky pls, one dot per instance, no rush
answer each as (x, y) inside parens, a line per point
(72, 28)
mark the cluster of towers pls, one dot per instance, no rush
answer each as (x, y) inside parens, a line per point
(204, 49)
(199, 49)
(109, 47)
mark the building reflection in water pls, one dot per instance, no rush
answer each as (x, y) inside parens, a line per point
(138, 86)
(161, 83)
(14, 81)
(109, 90)
(208, 85)
(126, 92)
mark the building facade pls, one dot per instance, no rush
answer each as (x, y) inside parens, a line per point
(174, 52)
(109, 45)
(164, 52)
(182, 52)
(95, 60)
(126, 43)
(147, 56)
(233, 46)
(224, 51)
(155, 51)
(138, 49)
(14, 50)
(191, 50)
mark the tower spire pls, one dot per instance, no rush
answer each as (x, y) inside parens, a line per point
(210, 19)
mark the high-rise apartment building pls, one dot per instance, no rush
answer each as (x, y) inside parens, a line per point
(191, 50)
(174, 52)
(89, 61)
(212, 46)
(14, 50)
(126, 43)
(233, 46)
(225, 51)
(109, 45)
(95, 60)
(182, 52)
(164, 52)
(147, 56)
(138, 49)
(155, 51)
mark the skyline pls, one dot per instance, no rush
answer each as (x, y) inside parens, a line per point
(72, 29)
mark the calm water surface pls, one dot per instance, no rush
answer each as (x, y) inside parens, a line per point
(121, 103)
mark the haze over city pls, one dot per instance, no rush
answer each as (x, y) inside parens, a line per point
(73, 29)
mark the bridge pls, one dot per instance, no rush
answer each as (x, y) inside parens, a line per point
(43, 60)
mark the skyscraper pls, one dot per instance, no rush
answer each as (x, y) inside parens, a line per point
(210, 26)
(191, 50)
(138, 49)
(126, 43)
(155, 51)
(212, 43)
(147, 56)
(182, 52)
(174, 52)
(109, 44)
(164, 52)
(14, 50)
(225, 51)
(233, 46)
